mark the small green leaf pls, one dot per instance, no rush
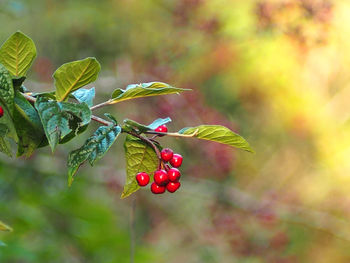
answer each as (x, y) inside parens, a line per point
(28, 125)
(4, 227)
(61, 118)
(143, 128)
(140, 157)
(93, 149)
(7, 92)
(134, 91)
(85, 95)
(74, 75)
(111, 117)
(158, 122)
(134, 125)
(218, 133)
(17, 83)
(17, 54)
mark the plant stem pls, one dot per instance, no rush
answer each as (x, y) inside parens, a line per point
(173, 134)
(102, 121)
(95, 107)
(28, 97)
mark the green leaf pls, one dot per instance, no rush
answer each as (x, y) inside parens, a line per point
(17, 83)
(7, 121)
(143, 128)
(93, 149)
(7, 92)
(158, 122)
(140, 157)
(134, 91)
(61, 118)
(111, 117)
(5, 146)
(74, 75)
(218, 133)
(76, 131)
(85, 95)
(17, 54)
(28, 125)
(4, 227)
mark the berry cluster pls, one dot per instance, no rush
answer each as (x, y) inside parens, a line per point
(1, 112)
(167, 178)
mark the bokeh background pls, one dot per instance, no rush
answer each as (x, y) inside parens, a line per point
(275, 71)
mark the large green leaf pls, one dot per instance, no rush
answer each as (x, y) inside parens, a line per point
(4, 227)
(61, 118)
(140, 157)
(7, 92)
(17, 54)
(143, 128)
(93, 149)
(134, 91)
(218, 133)
(28, 125)
(74, 75)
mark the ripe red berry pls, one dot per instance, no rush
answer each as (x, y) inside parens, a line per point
(157, 189)
(174, 175)
(173, 186)
(1, 112)
(167, 154)
(161, 177)
(142, 179)
(176, 161)
(162, 128)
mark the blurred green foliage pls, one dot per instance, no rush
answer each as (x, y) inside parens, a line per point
(275, 71)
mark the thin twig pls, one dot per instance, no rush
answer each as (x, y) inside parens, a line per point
(95, 107)
(173, 134)
(28, 97)
(102, 121)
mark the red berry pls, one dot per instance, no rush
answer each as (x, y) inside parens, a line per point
(174, 175)
(167, 154)
(1, 112)
(173, 186)
(161, 177)
(176, 161)
(142, 179)
(162, 128)
(157, 189)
